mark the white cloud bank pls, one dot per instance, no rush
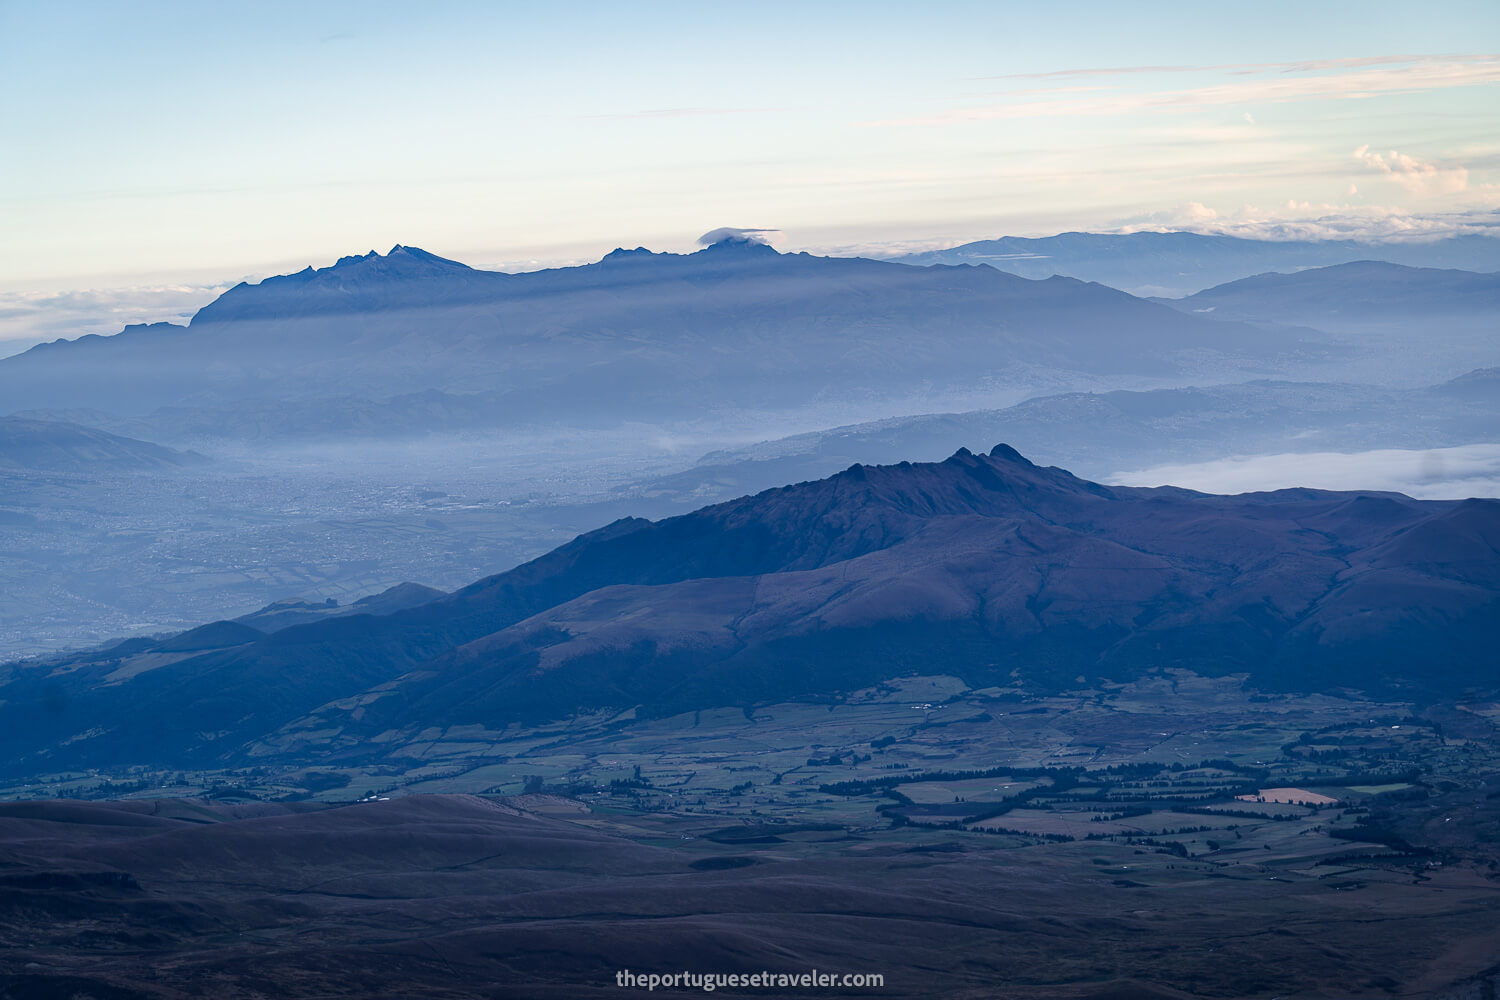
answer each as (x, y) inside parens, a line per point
(1435, 474)
(1302, 220)
(28, 318)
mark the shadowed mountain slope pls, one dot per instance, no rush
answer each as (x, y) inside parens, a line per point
(986, 567)
(50, 446)
(285, 613)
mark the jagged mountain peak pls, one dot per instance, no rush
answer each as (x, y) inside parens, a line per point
(398, 260)
(1009, 454)
(418, 254)
(622, 254)
(355, 283)
(348, 261)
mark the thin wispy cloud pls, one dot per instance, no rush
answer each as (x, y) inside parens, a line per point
(1301, 66)
(678, 113)
(1411, 79)
(1093, 88)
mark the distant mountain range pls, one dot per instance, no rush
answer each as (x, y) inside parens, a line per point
(1104, 433)
(50, 446)
(1358, 297)
(732, 328)
(411, 343)
(1425, 314)
(1176, 264)
(986, 567)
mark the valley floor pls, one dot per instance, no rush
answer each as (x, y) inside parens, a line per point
(1177, 837)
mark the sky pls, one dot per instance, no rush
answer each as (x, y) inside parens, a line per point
(154, 154)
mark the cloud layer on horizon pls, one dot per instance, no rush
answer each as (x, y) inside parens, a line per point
(28, 318)
(1306, 221)
(1433, 474)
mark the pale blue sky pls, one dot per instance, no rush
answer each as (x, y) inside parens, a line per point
(176, 146)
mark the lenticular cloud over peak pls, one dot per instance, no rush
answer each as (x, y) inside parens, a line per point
(734, 234)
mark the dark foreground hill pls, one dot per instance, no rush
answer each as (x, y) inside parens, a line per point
(456, 896)
(985, 567)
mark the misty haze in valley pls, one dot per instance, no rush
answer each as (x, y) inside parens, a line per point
(405, 418)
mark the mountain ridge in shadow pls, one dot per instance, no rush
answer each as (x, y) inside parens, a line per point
(986, 567)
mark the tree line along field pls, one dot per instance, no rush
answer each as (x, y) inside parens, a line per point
(1303, 784)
